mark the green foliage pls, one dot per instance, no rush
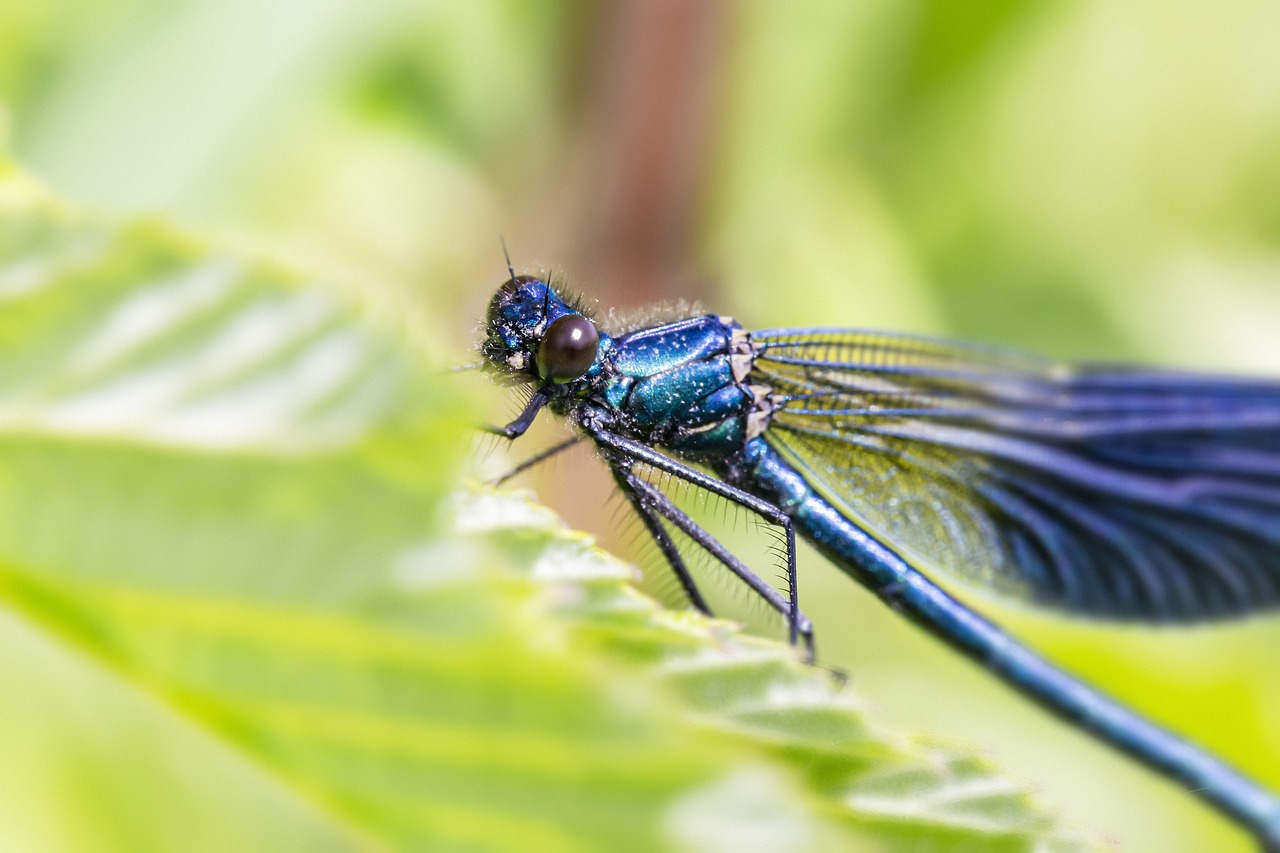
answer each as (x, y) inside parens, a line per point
(245, 606)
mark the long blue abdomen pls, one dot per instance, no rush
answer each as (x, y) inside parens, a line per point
(762, 471)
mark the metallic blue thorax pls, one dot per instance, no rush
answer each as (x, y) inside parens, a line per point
(683, 385)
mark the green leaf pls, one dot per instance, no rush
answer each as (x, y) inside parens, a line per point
(246, 605)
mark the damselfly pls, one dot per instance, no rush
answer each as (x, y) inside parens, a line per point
(1115, 492)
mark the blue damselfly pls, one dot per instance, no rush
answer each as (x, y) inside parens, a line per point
(1117, 492)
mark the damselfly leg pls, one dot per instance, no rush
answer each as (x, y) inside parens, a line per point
(625, 478)
(628, 452)
(535, 459)
(525, 419)
(799, 625)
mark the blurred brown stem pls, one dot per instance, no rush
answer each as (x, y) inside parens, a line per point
(650, 114)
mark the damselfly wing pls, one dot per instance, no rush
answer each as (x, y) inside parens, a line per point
(1115, 492)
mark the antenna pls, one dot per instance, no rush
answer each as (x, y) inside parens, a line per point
(507, 255)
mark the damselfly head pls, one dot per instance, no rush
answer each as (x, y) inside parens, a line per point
(532, 335)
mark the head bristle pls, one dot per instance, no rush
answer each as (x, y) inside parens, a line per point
(571, 296)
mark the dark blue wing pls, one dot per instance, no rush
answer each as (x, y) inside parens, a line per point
(1117, 492)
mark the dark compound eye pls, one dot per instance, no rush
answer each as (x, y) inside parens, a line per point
(568, 348)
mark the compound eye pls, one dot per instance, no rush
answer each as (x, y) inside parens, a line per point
(568, 348)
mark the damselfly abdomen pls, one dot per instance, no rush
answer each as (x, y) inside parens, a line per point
(1116, 492)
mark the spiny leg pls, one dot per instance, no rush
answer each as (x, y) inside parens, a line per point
(525, 419)
(634, 451)
(799, 624)
(626, 480)
(536, 459)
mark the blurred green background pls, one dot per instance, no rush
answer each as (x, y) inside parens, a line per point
(1091, 180)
